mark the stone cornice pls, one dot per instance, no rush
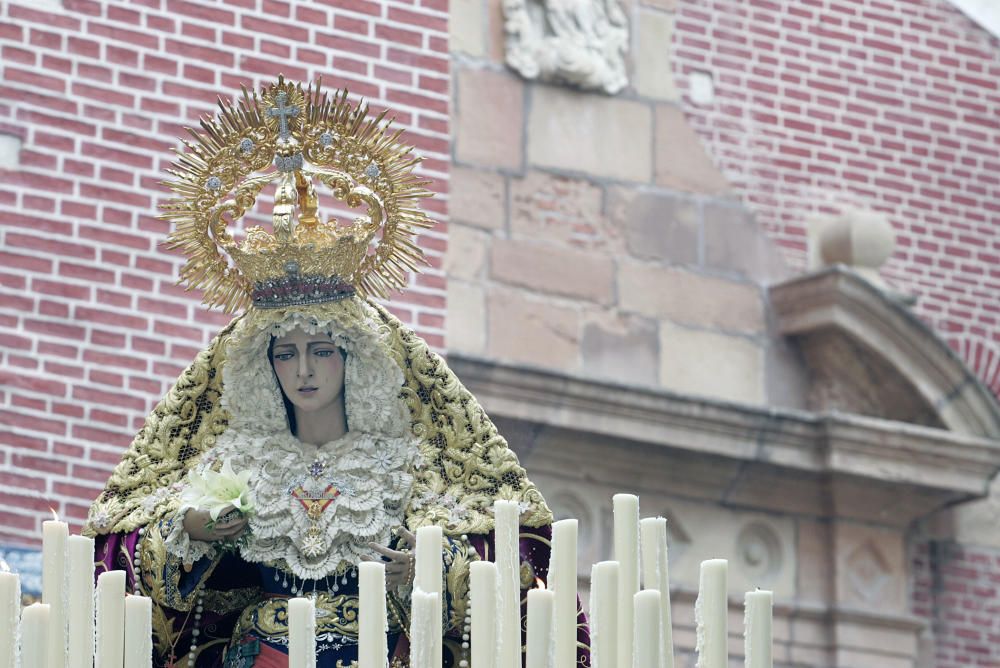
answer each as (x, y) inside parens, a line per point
(853, 452)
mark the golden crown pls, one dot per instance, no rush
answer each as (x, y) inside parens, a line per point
(296, 139)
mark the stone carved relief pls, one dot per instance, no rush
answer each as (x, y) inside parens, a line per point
(868, 573)
(577, 42)
(759, 553)
(849, 377)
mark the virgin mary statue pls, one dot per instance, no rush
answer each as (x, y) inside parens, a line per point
(315, 431)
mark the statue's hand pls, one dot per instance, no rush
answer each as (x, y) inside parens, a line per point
(199, 526)
(399, 564)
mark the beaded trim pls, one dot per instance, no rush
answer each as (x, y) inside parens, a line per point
(295, 290)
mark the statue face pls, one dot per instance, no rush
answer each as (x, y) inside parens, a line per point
(310, 370)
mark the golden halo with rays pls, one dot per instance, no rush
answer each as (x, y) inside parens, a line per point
(296, 138)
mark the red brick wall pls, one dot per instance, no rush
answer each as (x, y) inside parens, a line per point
(892, 105)
(888, 104)
(957, 590)
(92, 327)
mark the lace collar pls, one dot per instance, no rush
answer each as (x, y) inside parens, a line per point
(317, 508)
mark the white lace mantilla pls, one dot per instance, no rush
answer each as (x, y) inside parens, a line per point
(316, 507)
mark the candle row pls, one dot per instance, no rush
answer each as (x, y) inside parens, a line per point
(63, 630)
(650, 633)
(646, 643)
(629, 627)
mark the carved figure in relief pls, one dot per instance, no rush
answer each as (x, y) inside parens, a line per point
(577, 42)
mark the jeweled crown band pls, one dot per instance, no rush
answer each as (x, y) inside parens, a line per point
(295, 290)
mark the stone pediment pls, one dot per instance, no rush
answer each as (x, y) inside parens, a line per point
(868, 354)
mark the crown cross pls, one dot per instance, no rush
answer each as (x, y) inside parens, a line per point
(283, 113)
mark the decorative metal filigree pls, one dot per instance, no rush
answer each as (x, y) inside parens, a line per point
(295, 138)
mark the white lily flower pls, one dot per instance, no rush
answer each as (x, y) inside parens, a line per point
(216, 491)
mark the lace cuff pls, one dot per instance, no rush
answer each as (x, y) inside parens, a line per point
(182, 546)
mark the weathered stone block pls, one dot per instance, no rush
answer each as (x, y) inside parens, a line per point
(857, 636)
(477, 197)
(681, 160)
(559, 208)
(877, 657)
(815, 565)
(489, 119)
(10, 151)
(495, 31)
(657, 226)
(735, 243)
(709, 364)
(467, 252)
(550, 268)
(466, 27)
(466, 321)
(596, 134)
(654, 76)
(621, 349)
(787, 375)
(527, 330)
(689, 298)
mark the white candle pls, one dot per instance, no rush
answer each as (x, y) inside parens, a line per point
(656, 575)
(138, 632)
(54, 537)
(110, 619)
(423, 630)
(646, 639)
(711, 612)
(10, 609)
(539, 643)
(604, 614)
(373, 625)
(429, 578)
(301, 633)
(626, 510)
(80, 607)
(429, 567)
(506, 518)
(562, 581)
(757, 639)
(35, 621)
(483, 603)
